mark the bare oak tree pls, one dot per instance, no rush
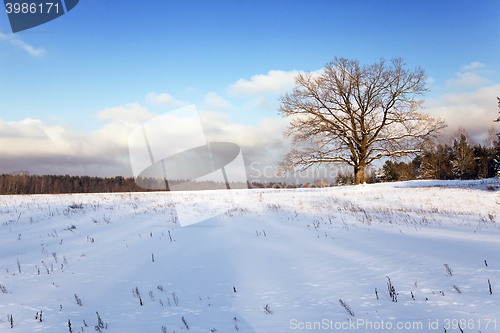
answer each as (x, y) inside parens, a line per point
(356, 114)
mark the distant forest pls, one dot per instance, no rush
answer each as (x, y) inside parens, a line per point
(24, 183)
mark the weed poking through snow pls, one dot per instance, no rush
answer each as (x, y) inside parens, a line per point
(346, 307)
(137, 294)
(3, 289)
(267, 309)
(185, 322)
(448, 269)
(392, 290)
(78, 300)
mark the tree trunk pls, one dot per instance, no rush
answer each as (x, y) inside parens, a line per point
(359, 174)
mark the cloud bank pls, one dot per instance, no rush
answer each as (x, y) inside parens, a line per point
(41, 148)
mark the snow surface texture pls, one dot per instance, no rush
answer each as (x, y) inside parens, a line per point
(280, 261)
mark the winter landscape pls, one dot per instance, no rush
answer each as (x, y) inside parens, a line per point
(186, 166)
(416, 256)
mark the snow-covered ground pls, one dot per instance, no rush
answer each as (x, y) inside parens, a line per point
(280, 261)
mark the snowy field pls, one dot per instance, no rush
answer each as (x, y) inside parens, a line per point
(280, 261)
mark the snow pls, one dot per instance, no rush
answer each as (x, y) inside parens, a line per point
(298, 252)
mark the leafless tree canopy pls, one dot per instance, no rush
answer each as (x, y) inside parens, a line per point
(356, 114)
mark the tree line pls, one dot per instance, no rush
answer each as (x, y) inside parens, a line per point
(24, 183)
(460, 160)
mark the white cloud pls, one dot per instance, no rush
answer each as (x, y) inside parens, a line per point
(41, 148)
(474, 111)
(23, 45)
(274, 82)
(470, 102)
(165, 99)
(30, 49)
(470, 76)
(467, 80)
(473, 65)
(31, 137)
(216, 102)
(262, 103)
(27, 128)
(132, 113)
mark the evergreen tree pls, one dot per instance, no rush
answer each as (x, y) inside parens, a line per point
(437, 164)
(463, 162)
(389, 172)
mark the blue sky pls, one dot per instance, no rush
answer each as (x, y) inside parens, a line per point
(231, 59)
